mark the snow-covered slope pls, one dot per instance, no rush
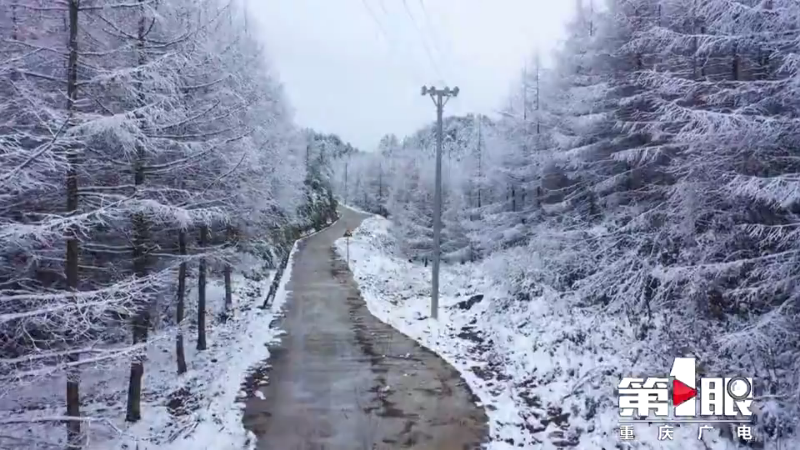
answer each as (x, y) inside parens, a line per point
(199, 410)
(545, 374)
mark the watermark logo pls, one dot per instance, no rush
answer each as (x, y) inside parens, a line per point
(674, 399)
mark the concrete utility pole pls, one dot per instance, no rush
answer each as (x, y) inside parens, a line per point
(440, 98)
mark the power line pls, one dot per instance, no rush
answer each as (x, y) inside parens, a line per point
(383, 7)
(375, 19)
(428, 27)
(431, 28)
(437, 26)
(416, 74)
(424, 42)
(422, 6)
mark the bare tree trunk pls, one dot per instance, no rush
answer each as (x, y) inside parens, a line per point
(228, 291)
(14, 27)
(180, 354)
(227, 276)
(513, 198)
(141, 318)
(201, 292)
(71, 263)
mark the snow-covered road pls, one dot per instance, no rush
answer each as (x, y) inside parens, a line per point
(342, 379)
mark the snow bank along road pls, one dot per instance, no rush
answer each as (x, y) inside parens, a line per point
(342, 379)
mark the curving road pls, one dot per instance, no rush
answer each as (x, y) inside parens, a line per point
(343, 380)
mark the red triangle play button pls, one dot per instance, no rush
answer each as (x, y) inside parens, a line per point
(681, 393)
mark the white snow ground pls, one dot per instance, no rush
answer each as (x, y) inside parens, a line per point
(354, 208)
(215, 376)
(545, 374)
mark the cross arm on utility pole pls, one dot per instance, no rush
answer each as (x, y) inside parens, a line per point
(440, 98)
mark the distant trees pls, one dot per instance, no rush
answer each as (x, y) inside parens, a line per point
(361, 178)
(320, 205)
(138, 141)
(398, 180)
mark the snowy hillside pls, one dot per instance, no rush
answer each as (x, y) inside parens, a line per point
(196, 410)
(546, 372)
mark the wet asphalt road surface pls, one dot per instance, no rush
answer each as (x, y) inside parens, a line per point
(329, 385)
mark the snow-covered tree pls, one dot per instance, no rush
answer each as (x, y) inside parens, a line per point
(127, 131)
(728, 103)
(667, 194)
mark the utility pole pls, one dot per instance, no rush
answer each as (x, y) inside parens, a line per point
(480, 159)
(440, 98)
(345, 178)
(525, 94)
(538, 84)
(380, 187)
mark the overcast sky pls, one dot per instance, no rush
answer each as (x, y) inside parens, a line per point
(355, 67)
